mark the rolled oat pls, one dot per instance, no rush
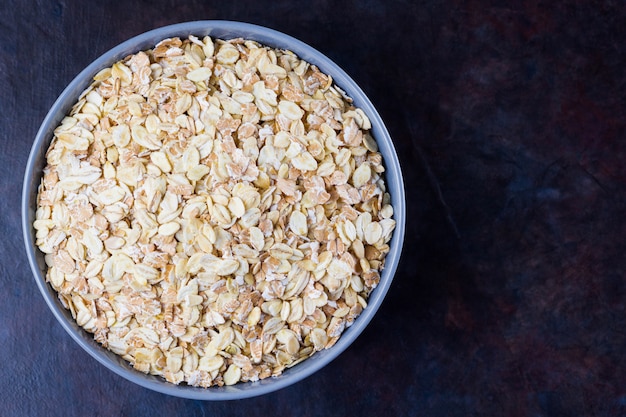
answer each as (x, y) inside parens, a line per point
(214, 211)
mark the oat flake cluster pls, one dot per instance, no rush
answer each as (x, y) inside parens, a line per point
(214, 211)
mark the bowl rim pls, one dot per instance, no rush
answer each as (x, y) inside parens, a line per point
(222, 29)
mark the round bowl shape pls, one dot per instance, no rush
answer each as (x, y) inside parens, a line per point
(222, 30)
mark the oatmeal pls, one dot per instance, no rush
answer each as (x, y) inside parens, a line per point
(214, 211)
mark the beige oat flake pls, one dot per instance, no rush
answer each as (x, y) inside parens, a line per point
(214, 211)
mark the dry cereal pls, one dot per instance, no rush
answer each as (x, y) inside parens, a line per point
(214, 211)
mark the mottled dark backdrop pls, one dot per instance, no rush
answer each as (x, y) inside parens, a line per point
(510, 122)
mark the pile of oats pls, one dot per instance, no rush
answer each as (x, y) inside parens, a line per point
(214, 211)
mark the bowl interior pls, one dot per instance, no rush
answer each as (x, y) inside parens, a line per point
(222, 30)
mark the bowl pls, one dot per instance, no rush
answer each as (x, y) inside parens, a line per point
(222, 30)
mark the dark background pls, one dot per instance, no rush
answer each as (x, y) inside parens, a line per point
(509, 119)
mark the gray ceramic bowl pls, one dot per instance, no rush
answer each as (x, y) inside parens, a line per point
(223, 30)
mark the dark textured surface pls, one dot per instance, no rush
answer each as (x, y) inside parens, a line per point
(510, 122)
